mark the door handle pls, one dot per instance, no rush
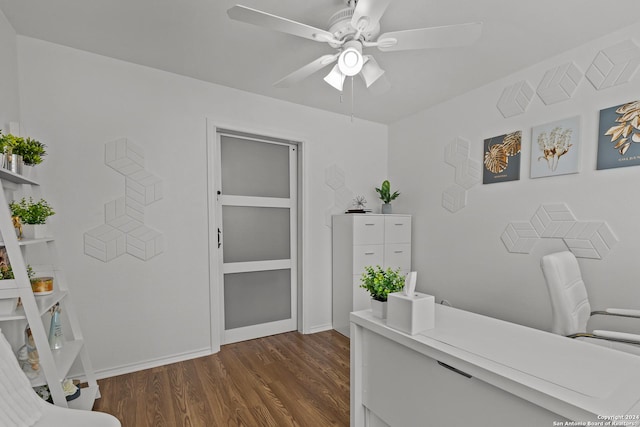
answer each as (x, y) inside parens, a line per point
(219, 241)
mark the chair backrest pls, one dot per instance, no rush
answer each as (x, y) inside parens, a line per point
(19, 404)
(569, 300)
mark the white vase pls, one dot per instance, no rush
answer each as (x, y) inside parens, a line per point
(379, 308)
(35, 231)
(386, 208)
(8, 306)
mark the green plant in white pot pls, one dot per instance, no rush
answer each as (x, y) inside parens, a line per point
(380, 282)
(386, 196)
(33, 217)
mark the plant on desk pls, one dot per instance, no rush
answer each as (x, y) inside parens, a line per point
(380, 283)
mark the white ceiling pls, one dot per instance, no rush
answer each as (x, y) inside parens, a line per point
(196, 38)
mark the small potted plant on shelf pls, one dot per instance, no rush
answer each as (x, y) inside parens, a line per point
(32, 216)
(11, 159)
(380, 283)
(32, 152)
(8, 305)
(386, 196)
(18, 152)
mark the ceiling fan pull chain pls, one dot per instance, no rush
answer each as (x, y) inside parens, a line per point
(352, 99)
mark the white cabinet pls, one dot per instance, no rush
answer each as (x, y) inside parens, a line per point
(54, 364)
(361, 240)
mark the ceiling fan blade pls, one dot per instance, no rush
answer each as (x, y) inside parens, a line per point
(278, 23)
(367, 13)
(430, 38)
(304, 72)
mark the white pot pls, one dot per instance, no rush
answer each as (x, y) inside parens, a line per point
(8, 306)
(35, 231)
(379, 308)
(386, 208)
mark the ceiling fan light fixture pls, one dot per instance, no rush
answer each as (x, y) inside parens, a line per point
(350, 60)
(335, 78)
(371, 71)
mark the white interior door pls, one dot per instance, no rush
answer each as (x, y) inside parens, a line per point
(257, 236)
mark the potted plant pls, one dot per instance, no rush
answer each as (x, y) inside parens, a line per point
(31, 150)
(386, 196)
(380, 283)
(33, 216)
(8, 305)
(17, 151)
(11, 159)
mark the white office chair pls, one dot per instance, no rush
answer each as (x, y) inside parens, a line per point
(20, 406)
(571, 309)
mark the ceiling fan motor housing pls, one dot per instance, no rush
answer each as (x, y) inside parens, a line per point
(340, 26)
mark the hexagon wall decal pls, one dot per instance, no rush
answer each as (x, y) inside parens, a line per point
(124, 230)
(515, 99)
(559, 84)
(334, 178)
(454, 198)
(614, 65)
(586, 239)
(468, 172)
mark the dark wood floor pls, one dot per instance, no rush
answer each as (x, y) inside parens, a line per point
(283, 380)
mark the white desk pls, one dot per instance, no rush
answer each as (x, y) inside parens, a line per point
(515, 376)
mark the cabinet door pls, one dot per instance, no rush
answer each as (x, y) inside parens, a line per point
(397, 229)
(365, 255)
(368, 230)
(398, 255)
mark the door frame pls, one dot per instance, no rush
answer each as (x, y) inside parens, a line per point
(215, 254)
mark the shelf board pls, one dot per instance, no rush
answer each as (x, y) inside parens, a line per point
(44, 303)
(63, 360)
(7, 175)
(86, 399)
(25, 242)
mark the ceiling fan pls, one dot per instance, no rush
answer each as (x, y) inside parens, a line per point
(350, 30)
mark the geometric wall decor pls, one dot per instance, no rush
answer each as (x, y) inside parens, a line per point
(614, 65)
(468, 173)
(559, 84)
(334, 178)
(586, 239)
(515, 99)
(124, 230)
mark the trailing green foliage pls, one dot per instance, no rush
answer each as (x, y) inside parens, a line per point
(385, 192)
(6, 272)
(31, 212)
(380, 282)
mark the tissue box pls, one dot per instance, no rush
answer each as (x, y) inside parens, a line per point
(411, 314)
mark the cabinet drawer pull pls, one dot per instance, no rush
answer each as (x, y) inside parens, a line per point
(397, 252)
(399, 224)
(369, 253)
(456, 370)
(369, 223)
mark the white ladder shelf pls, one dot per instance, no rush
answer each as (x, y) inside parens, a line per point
(54, 364)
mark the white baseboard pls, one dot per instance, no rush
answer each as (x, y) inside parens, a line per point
(320, 328)
(153, 363)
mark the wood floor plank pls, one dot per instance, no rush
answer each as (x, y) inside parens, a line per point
(282, 380)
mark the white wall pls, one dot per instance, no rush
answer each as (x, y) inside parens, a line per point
(459, 256)
(9, 107)
(136, 312)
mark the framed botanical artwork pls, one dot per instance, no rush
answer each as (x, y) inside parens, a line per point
(502, 158)
(619, 136)
(555, 148)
